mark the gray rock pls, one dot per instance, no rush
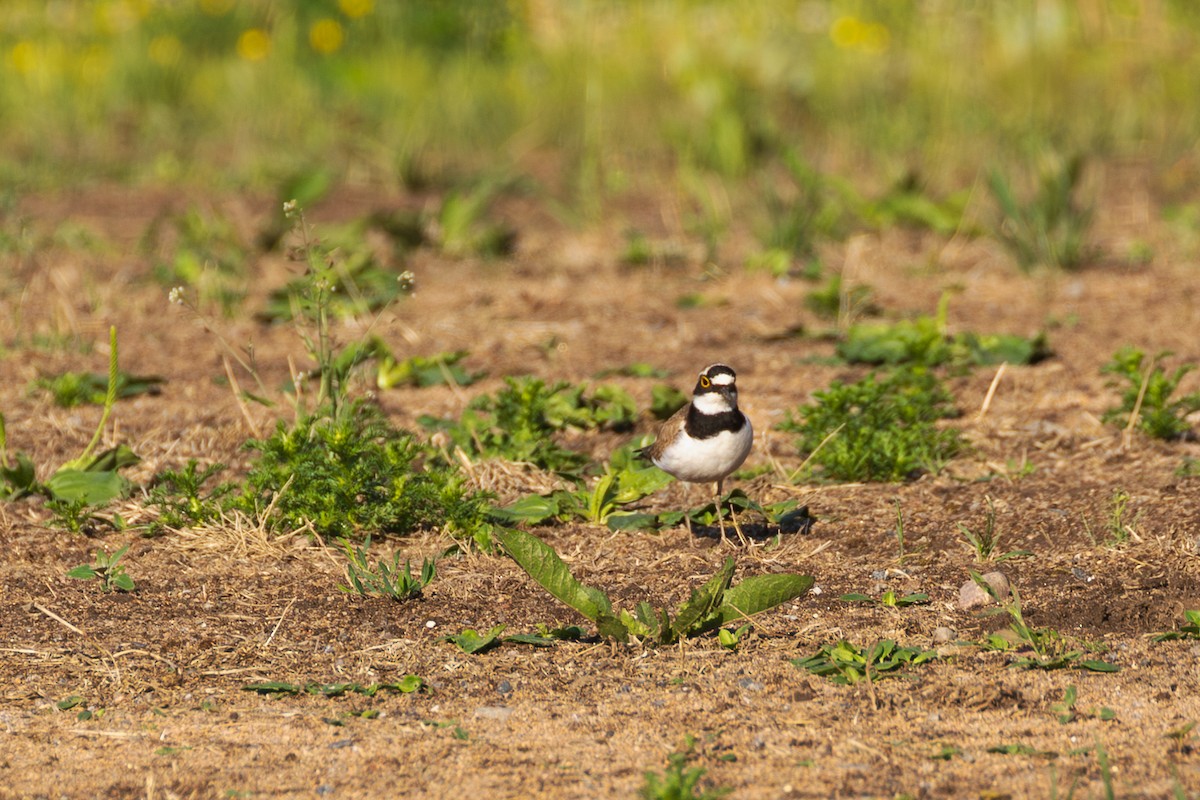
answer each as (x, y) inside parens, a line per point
(971, 595)
(942, 634)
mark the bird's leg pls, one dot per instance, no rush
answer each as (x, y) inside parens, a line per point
(720, 517)
(687, 515)
(736, 526)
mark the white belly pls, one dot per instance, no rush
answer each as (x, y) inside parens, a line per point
(707, 460)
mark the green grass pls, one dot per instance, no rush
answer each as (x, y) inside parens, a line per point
(417, 93)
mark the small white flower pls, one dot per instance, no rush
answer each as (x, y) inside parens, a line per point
(289, 209)
(176, 296)
(407, 281)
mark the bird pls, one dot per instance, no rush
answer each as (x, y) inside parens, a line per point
(707, 439)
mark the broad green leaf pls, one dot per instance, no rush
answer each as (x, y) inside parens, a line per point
(123, 582)
(533, 509)
(273, 687)
(760, 593)
(113, 459)
(83, 572)
(21, 479)
(703, 601)
(1099, 666)
(544, 565)
(530, 639)
(632, 521)
(471, 641)
(93, 488)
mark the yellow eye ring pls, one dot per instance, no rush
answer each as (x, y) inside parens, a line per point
(705, 382)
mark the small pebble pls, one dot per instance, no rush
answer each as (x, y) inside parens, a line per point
(971, 595)
(504, 687)
(493, 712)
(431, 624)
(942, 634)
(879, 575)
(751, 684)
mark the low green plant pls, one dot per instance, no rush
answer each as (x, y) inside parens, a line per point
(519, 422)
(1189, 468)
(199, 248)
(88, 480)
(836, 301)
(713, 605)
(387, 578)
(680, 781)
(1050, 649)
(888, 599)
(730, 638)
(925, 341)
(73, 516)
(421, 371)
(878, 429)
(181, 500)
(72, 389)
(472, 642)
(907, 202)
(846, 664)
(107, 569)
(1116, 529)
(1150, 395)
(352, 474)
(624, 482)
(985, 541)
(665, 400)
(1189, 630)
(1051, 227)
(1068, 711)
(461, 226)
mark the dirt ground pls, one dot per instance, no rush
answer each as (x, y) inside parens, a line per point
(163, 669)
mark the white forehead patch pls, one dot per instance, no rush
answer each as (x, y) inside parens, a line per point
(722, 379)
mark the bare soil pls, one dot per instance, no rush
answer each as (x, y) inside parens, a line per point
(163, 669)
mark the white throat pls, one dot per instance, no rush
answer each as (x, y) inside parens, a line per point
(711, 403)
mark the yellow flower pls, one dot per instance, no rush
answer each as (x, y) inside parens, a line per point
(254, 44)
(356, 8)
(326, 36)
(24, 57)
(165, 50)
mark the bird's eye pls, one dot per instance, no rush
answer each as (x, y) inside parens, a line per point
(705, 382)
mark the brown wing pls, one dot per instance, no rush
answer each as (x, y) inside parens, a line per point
(667, 433)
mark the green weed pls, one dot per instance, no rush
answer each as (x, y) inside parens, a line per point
(876, 429)
(846, 664)
(1050, 649)
(889, 599)
(985, 541)
(107, 570)
(421, 371)
(200, 249)
(71, 389)
(925, 341)
(180, 499)
(1050, 228)
(1068, 711)
(837, 300)
(1148, 400)
(713, 605)
(461, 226)
(386, 578)
(353, 474)
(679, 781)
(1189, 630)
(88, 480)
(520, 421)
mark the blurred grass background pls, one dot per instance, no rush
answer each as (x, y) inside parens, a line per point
(592, 99)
